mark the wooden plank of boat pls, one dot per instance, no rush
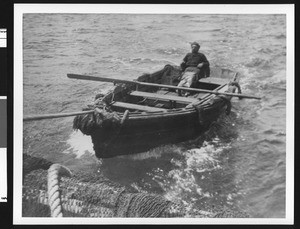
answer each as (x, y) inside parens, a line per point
(164, 97)
(132, 106)
(214, 80)
(220, 88)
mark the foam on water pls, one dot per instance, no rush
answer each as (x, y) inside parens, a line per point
(153, 153)
(181, 184)
(79, 144)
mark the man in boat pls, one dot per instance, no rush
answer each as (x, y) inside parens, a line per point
(194, 67)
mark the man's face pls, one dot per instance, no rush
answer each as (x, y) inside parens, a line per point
(195, 48)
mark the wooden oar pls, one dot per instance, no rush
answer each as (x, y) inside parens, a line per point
(114, 80)
(49, 116)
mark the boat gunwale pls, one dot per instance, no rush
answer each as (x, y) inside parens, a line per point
(168, 113)
(188, 109)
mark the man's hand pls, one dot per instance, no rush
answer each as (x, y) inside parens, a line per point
(200, 65)
(183, 66)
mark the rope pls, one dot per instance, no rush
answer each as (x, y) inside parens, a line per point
(237, 85)
(228, 103)
(54, 173)
(77, 207)
(125, 116)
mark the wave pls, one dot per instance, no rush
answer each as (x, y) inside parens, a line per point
(274, 133)
(207, 30)
(259, 62)
(265, 51)
(279, 77)
(84, 31)
(277, 104)
(171, 51)
(189, 181)
(47, 56)
(157, 152)
(202, 159)
(186, 16)
(271, 141)
(153, 27)
(133, 63)
(280, 36)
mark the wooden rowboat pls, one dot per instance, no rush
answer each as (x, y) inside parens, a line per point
(136, 116)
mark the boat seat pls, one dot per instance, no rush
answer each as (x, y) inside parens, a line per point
(214, 80)
(132, 106)
(220, 88)
(164, 97)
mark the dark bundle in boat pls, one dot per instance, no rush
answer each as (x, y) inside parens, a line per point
(136, 116)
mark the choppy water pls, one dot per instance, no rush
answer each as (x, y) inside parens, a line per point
(243, 166)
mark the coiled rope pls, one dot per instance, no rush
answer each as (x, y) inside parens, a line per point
(54, 173)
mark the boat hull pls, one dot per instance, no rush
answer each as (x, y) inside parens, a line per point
(139, 134)
(128, 130)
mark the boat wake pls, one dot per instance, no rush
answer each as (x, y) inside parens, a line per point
(185, 183)
(79, 144)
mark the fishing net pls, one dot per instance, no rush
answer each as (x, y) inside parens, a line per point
(87, 195)
(226, 212)
(93, 195)
(31, 163)
(97, 197)
(88, 123)
(171, 75)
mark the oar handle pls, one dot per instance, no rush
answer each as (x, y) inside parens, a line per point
(50, 116)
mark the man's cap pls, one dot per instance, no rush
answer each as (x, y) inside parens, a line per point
(195, 43)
